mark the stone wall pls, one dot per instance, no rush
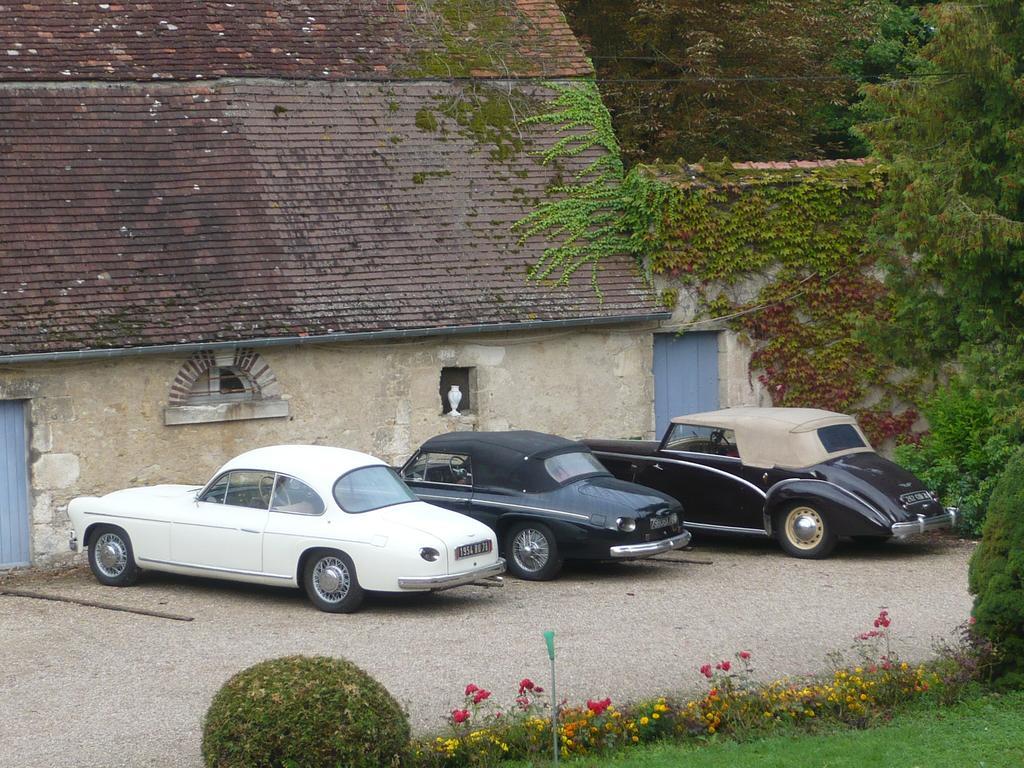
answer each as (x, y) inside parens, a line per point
(96, 426)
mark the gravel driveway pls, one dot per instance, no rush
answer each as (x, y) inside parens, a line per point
(91, 687)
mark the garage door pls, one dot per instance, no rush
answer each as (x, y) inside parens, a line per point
(685, 375)
(14, 535)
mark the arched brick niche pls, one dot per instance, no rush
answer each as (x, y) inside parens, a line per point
(224, 385)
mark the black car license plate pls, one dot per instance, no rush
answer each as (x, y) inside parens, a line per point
(476, 548)
(664, 522)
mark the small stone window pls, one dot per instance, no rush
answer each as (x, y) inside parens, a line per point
(462, 379)
(226, 385)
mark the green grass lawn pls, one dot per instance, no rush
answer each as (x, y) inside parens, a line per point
(985, 732)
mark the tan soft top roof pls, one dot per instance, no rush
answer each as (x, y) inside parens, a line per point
(784, 437)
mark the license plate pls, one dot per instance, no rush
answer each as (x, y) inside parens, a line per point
(664, 522)
(916, 497)
(476, 548)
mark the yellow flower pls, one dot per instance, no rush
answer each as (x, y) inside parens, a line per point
(644, 720)
(655, 715)
(636, 739)
(767, 714)
(711, 729)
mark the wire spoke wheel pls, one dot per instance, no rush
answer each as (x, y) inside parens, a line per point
(111, 555)
(331, 579)
(531, 549)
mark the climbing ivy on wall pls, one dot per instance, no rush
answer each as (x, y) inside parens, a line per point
(798, 236)
(581, 217)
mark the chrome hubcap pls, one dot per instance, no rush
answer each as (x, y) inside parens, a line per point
(111, 555)
(530, 549)
(804, 527)
(331, 579)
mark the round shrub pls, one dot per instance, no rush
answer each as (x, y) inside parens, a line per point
(996, 576)
(304, 711)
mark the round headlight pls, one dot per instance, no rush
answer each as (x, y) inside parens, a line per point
(627, 524)
(429, 554)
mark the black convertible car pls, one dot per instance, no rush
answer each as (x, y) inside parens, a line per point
(802, 475)
(547, 498)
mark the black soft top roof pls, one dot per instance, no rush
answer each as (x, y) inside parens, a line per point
(512, 459)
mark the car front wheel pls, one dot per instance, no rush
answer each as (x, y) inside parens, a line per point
(531, 552)
(331, 583)
(111, 558)
(804, 531)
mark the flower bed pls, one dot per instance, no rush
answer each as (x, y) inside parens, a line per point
(855, 694)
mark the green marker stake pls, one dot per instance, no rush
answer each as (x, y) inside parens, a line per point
(549, 638)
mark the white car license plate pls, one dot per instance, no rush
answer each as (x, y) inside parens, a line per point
(664, 522)
(476, 548)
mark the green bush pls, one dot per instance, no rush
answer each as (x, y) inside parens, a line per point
(962, 455)
(996, 575)
(301, 711)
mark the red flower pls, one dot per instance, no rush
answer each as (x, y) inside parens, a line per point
(724, 666)
(481, 695)
(471, 689)
(706, 671)
(460, 715)
(526, 684)
(538, 689)
(598, 707)
(744, 655)
(523, 702)
(971, 620)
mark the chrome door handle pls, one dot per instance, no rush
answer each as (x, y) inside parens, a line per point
(657, 467)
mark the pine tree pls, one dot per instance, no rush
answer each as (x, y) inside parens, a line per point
(952, 139)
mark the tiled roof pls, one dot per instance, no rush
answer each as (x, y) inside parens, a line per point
(75, 40)
(135, 215)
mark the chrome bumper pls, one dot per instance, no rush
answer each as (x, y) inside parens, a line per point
(489, 577)
(922, 524)
(73, 542)
(651, 547)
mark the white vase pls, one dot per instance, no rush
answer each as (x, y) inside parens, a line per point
(454, 398)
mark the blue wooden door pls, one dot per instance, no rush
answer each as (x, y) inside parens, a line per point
(13, 485)
(685, 375)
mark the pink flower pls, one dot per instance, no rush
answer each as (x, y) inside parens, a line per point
(471, 689)
(706, 671)
(460, 715)
(526, 684)
(523, 702)
(481, 695)
(972, 620)
(744, 655)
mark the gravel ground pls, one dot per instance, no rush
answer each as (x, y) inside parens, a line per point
(85, 686)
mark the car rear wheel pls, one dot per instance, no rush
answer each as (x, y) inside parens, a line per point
(111, 557)
(330, 581)
(804, 531)
(531, 552)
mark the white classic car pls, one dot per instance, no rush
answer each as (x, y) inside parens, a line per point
(332, 521)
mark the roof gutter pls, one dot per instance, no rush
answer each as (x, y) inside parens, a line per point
(282, 341)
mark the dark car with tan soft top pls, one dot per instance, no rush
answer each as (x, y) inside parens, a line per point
(804, 476)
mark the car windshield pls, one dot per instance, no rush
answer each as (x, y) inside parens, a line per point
(368, 488)
(840, 437)
(568, 466)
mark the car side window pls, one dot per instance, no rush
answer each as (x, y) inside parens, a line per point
(295, 497)
(447, 468)
(216, 492)
(242, 488)
(694, 438)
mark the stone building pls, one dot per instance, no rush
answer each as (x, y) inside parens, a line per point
(226, 225)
